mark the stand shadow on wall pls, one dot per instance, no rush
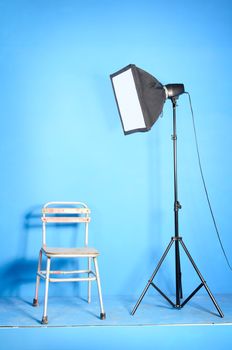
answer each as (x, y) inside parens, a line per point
(154, 236)
(19, 276)
(147, 257)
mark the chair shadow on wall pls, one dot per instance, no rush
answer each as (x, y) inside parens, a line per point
(18, 276)
(21, 271)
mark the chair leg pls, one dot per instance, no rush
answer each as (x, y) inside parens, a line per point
(89, 282)
(102, 314)
(36, 298)
(45, 317)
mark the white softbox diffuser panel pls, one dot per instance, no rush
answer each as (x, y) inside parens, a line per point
(139, 96)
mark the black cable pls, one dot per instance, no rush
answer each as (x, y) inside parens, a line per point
(204, 184)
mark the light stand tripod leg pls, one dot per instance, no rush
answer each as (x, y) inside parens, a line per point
(178, 274)
(152, 277)
(202, 280)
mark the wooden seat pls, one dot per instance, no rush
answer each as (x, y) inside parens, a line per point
(66, 213)
(71, 252)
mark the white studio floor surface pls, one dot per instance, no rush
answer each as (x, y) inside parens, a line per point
(75, 312)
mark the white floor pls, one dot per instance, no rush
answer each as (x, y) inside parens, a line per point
(154, 310)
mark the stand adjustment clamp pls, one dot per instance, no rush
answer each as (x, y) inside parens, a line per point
(177, 206)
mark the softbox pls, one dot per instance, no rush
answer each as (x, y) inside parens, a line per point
(140, 98)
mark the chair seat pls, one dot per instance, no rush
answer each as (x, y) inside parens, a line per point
(74, 252)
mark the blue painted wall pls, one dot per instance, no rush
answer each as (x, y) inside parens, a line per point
(61, 137)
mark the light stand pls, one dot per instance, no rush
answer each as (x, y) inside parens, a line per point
(177, 240)
(140, 98)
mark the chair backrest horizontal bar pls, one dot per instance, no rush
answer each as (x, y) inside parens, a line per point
(64, 219)
(65, 210)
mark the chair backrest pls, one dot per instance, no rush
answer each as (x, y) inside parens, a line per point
(65, 213)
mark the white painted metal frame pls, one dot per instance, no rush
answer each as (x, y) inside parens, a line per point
(66, 213)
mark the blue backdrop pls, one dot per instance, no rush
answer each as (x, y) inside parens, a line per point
(61, 137)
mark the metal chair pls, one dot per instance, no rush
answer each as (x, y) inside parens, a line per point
(76, 213)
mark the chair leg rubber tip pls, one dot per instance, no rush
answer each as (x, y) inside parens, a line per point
(102, 316)
(44, 320)
(35, 302)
